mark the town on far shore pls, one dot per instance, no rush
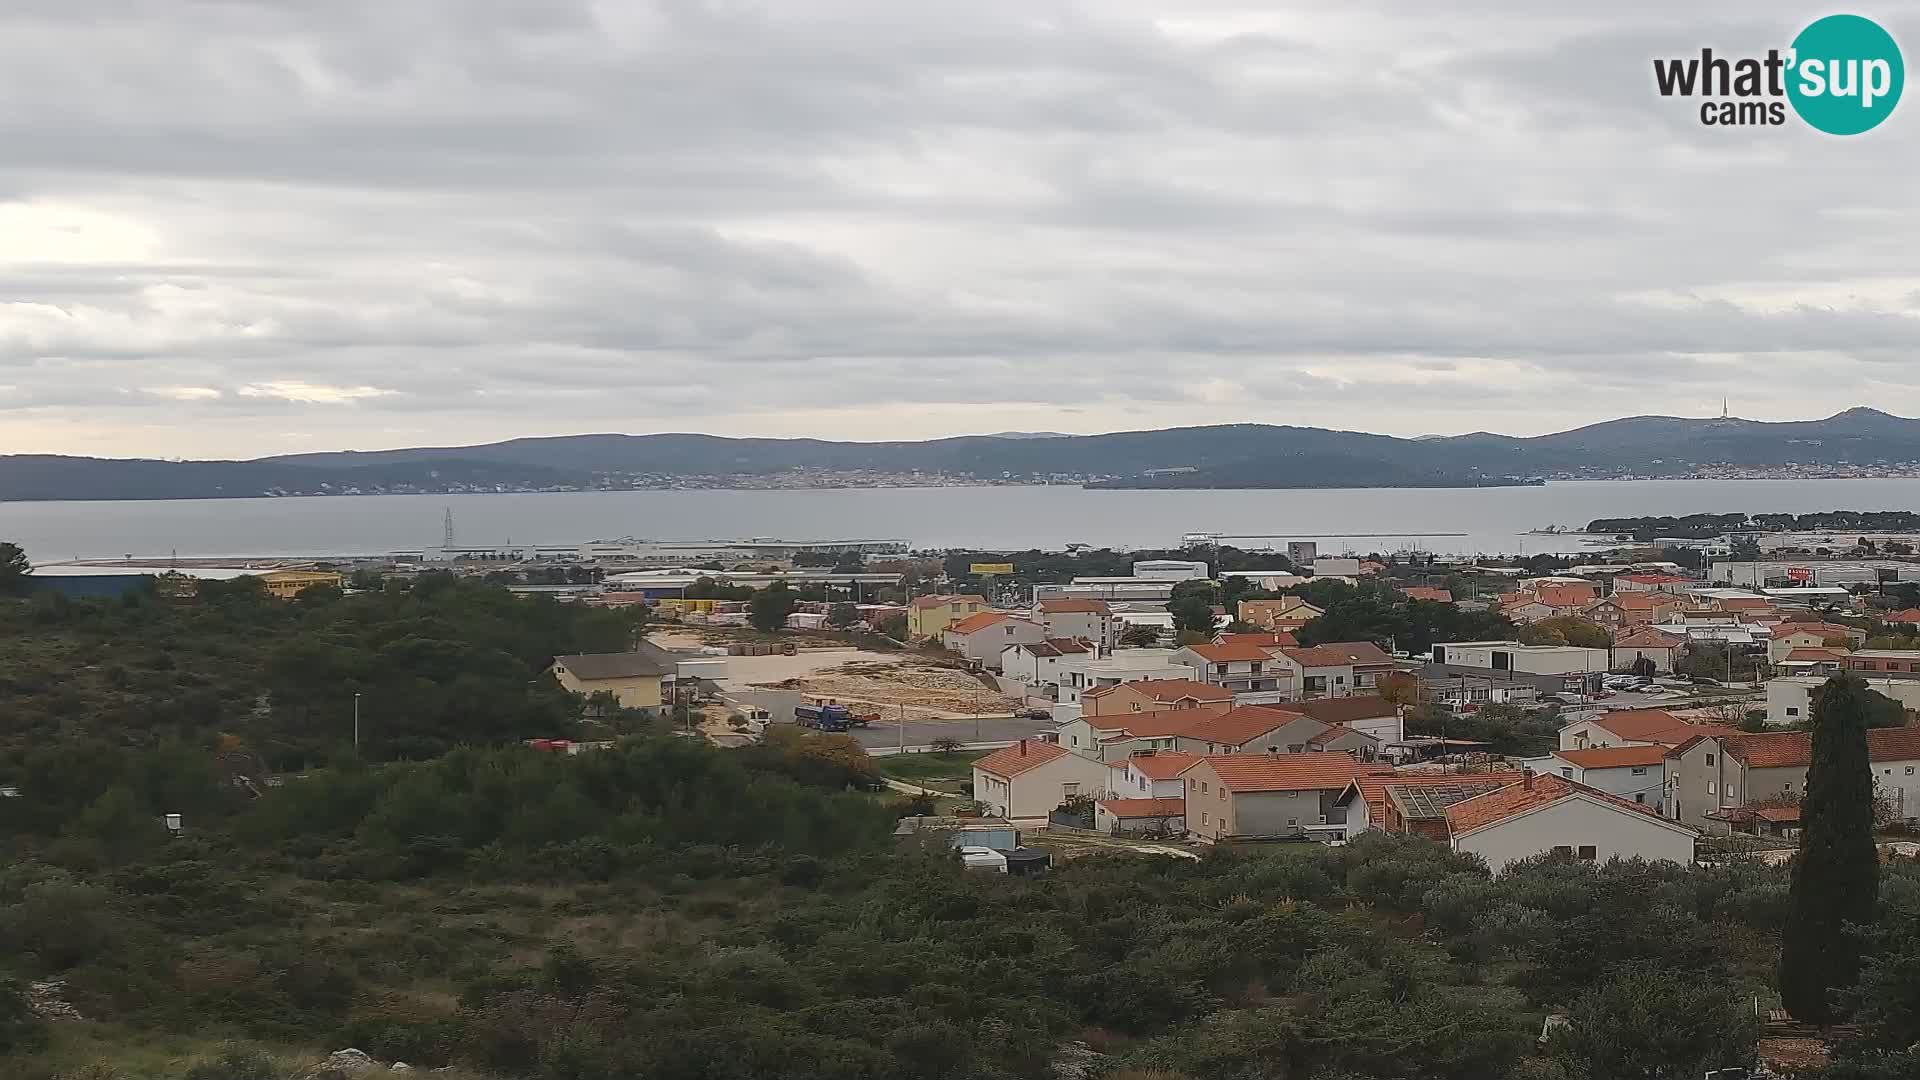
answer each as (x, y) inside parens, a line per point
(1651, 695)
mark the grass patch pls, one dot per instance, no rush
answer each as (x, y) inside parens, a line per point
(931, 770)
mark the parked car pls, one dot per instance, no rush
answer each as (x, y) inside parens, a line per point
(1703, 680)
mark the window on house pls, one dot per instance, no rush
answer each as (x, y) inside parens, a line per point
(1223, 794)
(1788, 786)
(1562, 849)
(1639, 771)
(1567, 772)
(1069, 790)
(1203, 817)
(1640, 797)
(1909, 770)
(1293, 823)
(1709, 759)
(1710, 787)
(1588, 853)
(1792, 711)
(1203, 787)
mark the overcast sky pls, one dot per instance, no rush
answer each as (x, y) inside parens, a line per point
(261, 226)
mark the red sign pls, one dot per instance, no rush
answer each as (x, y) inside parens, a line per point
(1799, 573)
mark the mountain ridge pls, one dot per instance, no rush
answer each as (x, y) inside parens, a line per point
(1215, 456)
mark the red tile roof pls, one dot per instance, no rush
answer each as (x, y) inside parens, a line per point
(1825, 656)
(1906, 615)
(1647, 637)
(976, 623)
(1566, 595)
(1743, 603)
(1151, 725)
(1824, 629)
(1145, 808)
(1641, 601)
(1424, 592)
(1249, 773)
(1655, 726)
(1233, 653)
(1235, 727)
(1339, 654)
(1614, 757)
(1543, 790)
(1373, 788)
(1056, 647)
(1011, 761)
(1062, 607)
(1169, 690)
(1339, 710)
(1894, 744)
(1161, 764)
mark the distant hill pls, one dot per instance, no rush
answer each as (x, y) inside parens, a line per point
(1220, 456)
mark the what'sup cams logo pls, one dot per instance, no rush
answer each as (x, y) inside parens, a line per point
(1842, 75)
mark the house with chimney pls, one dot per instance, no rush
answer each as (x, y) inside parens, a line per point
(983, 638)
(1244, 797)
(1711, 775)
(1336, 669)
(1079, 620)
(1541, 814)
(1030, 779)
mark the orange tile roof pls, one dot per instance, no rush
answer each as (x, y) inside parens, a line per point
(1647, 637)
(1906, 615)
(1237, 652)
(1160, 764)
(1424, 592)
(1816, 655)
(1339, 654)
(1642, 601)
(1614, 757)
(1151, 725)
(1062, 607)
(1145, 808)
(1893, 744)
(1056, 647)
(1171, 690)
(1373, 788)
(1566, 595)
(1250, 773)
(1236, 726)
(1339, 710)
(1011, 761)
(1655, 726)
(1543, 790)
(975, 623)
(1744, 603)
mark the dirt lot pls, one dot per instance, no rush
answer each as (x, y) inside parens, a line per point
(926, 690)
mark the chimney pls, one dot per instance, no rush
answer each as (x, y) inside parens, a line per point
(1023, 748)
(1526, 778)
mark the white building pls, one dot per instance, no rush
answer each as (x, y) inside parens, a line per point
(1043, 663)
(1029, 779)
(984, 637)
(1790, 697)
(1553, 814)
(1531, 659)
(1085, 620)
(1123, 666)
(1635, 773)
(1169, 570)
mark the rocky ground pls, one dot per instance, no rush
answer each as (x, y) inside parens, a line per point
(925, 690)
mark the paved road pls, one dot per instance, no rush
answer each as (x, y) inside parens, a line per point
(923, 732)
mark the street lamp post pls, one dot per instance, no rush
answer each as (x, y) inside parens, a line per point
(356, 721)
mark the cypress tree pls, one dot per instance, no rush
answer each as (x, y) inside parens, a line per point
(1836, 877)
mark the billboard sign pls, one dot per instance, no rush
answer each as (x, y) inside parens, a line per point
(981, 568)
(1799, 573)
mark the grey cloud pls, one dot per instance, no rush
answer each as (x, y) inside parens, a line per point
(518, 217)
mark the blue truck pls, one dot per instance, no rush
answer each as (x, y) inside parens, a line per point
(829, 717)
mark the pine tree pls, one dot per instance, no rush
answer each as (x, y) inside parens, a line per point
(1837, 875)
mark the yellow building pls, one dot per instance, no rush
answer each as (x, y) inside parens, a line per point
(287, 584)
(929, 616)
(636, 679)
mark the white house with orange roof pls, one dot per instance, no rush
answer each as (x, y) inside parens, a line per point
(1268, 796)
(1541, 814)
(1241, 667)
(1658, 647)
(1632, 727)
(1043, 663)
(1079, 620)
(984, 637)
(1029, 779)
(1335, 668)
(1151, 774)
(1154, 695)
(1635, 773)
